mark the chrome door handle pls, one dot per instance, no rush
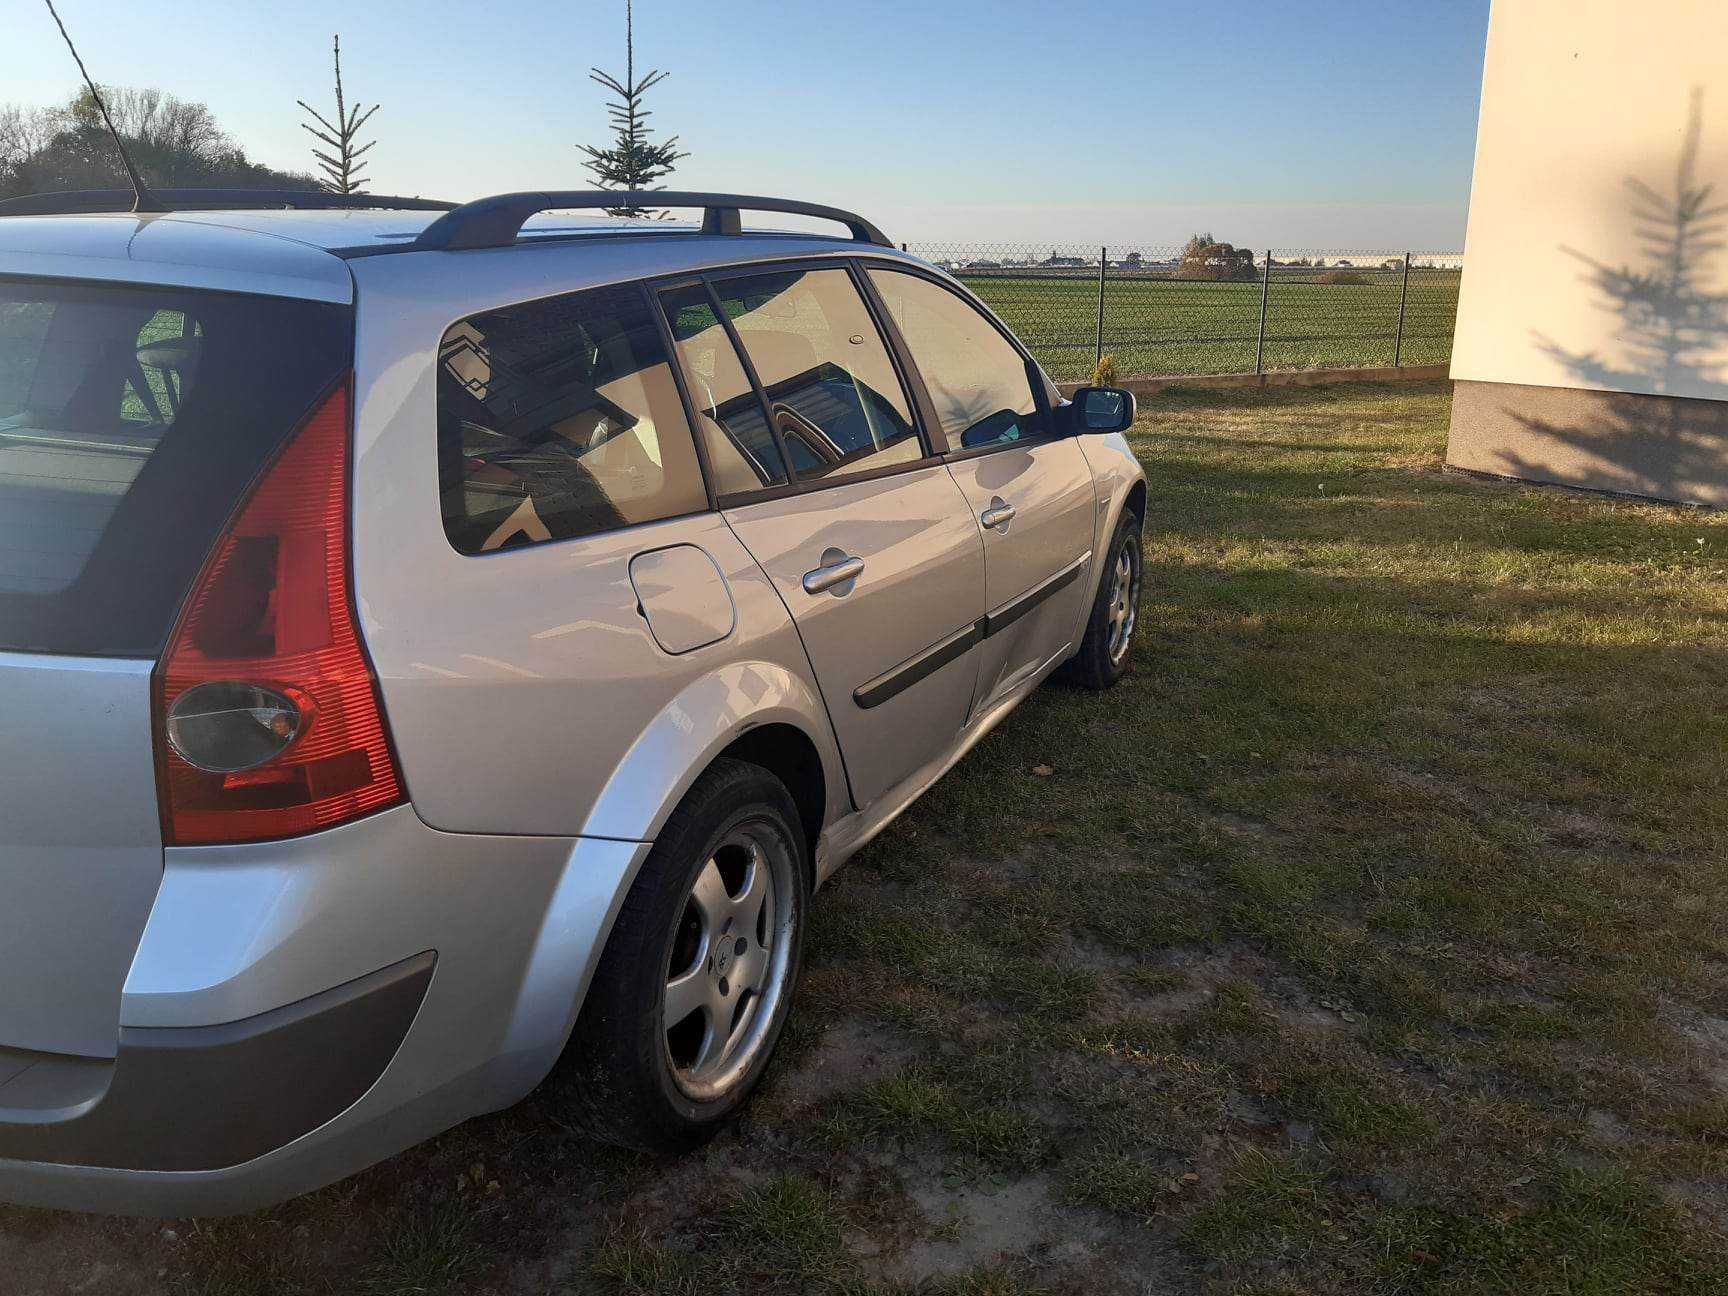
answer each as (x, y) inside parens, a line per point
(836, 572)
(997, 515)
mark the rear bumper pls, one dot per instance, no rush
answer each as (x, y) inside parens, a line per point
(205, 1097)
(299, 1010)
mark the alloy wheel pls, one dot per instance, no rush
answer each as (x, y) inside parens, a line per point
(1124, 602)
(727, 970)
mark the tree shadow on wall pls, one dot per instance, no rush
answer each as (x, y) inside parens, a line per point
(1673, 341)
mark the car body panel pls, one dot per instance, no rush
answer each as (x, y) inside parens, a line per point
(845, 837)
(80, 846)
(169, 249)
(517, 923)
(516, 682)
(1049, 486)
(713, 711)
(921, 584)
(239, 930)
(1116, 474)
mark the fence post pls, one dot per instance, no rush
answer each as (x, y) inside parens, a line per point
(1403, 297)
(1098, 350)
(1260, 336)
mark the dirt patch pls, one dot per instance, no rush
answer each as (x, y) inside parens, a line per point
(41, 1256)
(1238, 826)
(1605, 1127)
(852, 1052)
(1710, 1034)
(975, 1225)
(1021, 1223)
(1087, 953)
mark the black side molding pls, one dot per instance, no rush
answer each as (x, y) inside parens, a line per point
(897, 679)
(1012, 611)
(208, 1097)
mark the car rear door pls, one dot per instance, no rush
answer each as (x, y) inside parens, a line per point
(820, 469)
(1029, 488)
(131, 420)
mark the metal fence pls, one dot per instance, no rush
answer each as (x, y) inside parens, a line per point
(1153, 313)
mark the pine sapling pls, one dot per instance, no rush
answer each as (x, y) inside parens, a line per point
(342, 165)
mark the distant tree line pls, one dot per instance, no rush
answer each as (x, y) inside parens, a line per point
(175, 143)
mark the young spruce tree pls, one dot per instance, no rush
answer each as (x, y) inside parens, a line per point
(633, 162)
(342, 166)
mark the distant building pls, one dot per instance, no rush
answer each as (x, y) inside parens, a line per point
(1592, 337)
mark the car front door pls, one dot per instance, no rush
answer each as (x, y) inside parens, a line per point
(1030, 489)
(817, 461)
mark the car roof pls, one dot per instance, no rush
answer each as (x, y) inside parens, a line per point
(301, 253)
(172, 249)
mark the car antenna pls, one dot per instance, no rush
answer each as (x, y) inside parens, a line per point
(142, 199)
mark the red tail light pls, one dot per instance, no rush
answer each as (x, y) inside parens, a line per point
(280, 730)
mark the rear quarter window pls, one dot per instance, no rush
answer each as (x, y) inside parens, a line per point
(561, 418)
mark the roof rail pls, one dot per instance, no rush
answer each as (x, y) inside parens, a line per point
(496, 221)
(77, 201)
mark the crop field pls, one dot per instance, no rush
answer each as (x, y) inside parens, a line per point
(1155, 326)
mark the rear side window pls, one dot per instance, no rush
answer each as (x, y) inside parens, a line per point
(742, 453)
(832, 391)
(560, 418)
(131, 422)
(980, 385)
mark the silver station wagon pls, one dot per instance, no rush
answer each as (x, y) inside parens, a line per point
(440, 640)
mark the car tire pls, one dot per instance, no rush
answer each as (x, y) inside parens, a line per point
(689, 957)
(1108, 644)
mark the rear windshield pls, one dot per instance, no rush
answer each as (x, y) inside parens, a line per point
(131, 421)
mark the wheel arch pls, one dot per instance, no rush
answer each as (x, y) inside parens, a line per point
(1121, 485)
(753, 710)
(1135, 503)
(757, 711)
(788, 753)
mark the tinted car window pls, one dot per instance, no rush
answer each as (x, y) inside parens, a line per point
(131, 421)
(560, 418)
(832, 389)
(977, 381)
(742, 454)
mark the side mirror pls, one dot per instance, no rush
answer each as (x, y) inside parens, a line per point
(1100, 409)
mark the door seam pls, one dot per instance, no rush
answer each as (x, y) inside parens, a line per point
(809, 662)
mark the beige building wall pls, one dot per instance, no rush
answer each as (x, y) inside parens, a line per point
(1592, 343)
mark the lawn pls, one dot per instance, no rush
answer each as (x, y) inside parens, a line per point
(1368, 939)
(1171, 326)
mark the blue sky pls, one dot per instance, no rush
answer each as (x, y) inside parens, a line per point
(1330, 123)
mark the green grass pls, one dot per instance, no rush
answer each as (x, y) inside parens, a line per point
(23, 326)
(1168, 326)
(1367, 939)
(23, 329)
